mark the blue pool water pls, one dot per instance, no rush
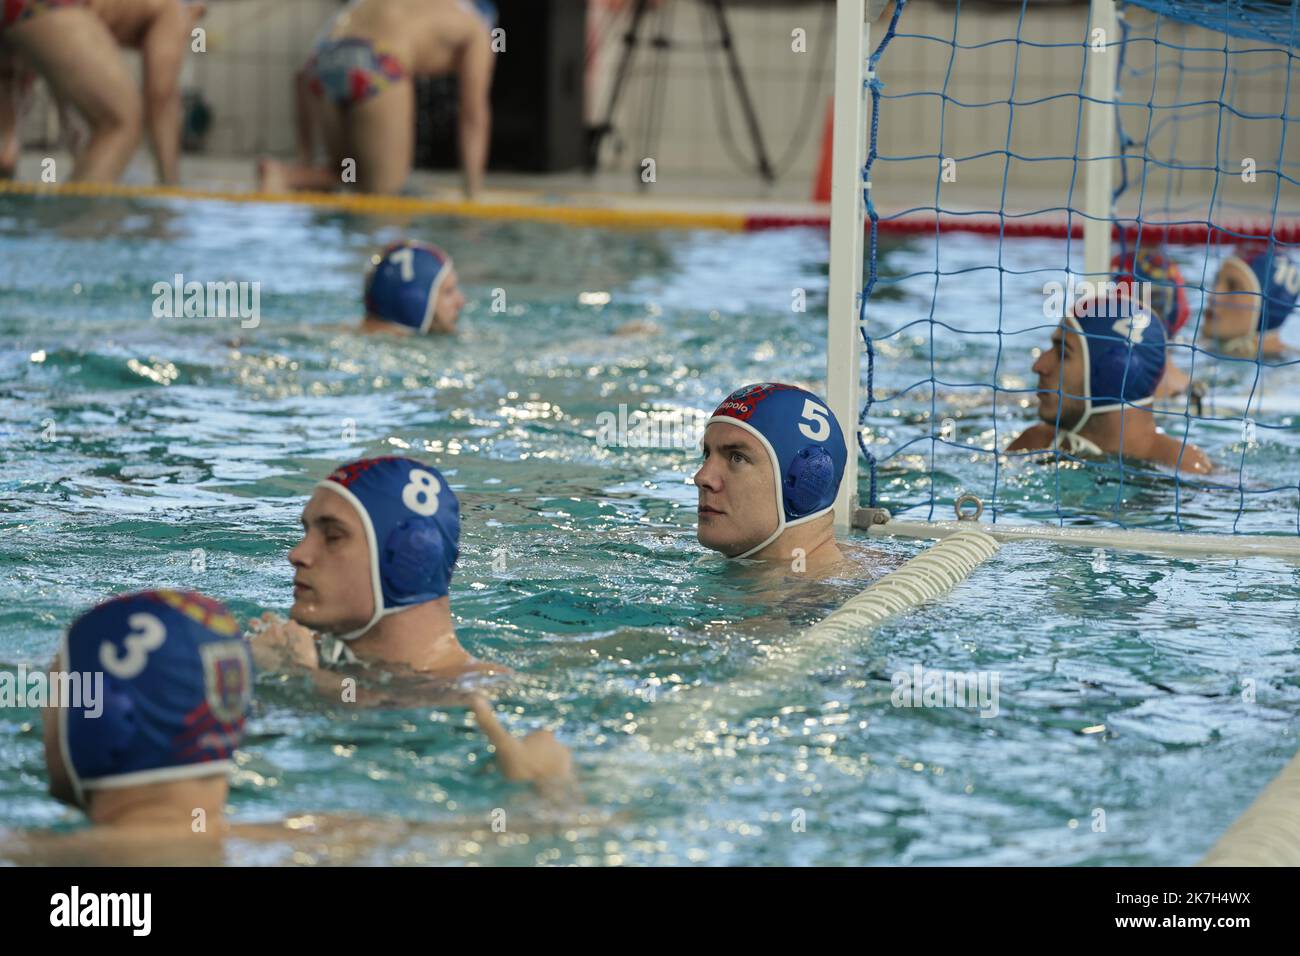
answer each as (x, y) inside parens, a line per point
(128, 442)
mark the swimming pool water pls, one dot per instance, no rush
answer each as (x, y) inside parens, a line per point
(129, 442)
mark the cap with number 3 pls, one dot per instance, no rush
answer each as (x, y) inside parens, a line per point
(412, 525)
(176, 687)
(804, 442)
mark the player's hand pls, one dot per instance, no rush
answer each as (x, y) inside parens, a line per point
(277, 643)
(537, 758)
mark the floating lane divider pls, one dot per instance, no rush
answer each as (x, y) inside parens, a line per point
(926, 577)
(1268, 832)
(543, 208)
(1119, 539)
(540, 211)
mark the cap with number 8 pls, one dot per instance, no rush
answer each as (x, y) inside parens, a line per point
(412, 526)
(804, 442)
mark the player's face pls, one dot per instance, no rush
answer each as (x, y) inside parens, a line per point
(1230, 310)
(737, 491)
(446, 313)
(56, 771)
(1060, 378)
(331, 583)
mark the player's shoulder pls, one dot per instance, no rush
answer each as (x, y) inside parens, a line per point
(1036, 436)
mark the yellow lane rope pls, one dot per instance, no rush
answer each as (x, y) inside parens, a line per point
(364, 203)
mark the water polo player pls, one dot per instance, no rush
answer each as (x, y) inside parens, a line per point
(156, 744)
(1095, 384)
(372, 572)
(372, 577)
(1155, 281)
(412, 288)
(1254, 293)
(177, 684)
(773, 460)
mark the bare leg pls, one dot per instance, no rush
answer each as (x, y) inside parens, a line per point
(314, 114)
(380, 136)
(277, 177)
(304, 115)
(79, 58)
(9, 97)
(162, 51)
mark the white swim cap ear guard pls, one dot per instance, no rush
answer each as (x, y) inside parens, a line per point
(804, 443)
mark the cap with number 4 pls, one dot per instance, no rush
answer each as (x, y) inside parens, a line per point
(412, 526)
(803, 441)
(1123, 352)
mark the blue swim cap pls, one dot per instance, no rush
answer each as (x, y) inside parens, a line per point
(412, 522)
(488, 11)
(177, 685)
(1124, 353)
(804, 442)
(403, 281)
(1274, 280)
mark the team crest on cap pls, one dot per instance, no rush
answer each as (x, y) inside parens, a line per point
(226, 679)
(345, 475)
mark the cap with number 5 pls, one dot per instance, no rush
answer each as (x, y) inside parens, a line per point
(412, 525)
(176, 687)
(803, 441)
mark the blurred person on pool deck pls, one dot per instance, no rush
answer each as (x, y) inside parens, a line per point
(1095, 384)
(358, 89)
(160, 31)
(156, 744)
(412, 288)
(774, 457)
(66, 43)
(1254, 293)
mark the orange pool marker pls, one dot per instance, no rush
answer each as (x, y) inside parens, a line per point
(822, 181)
